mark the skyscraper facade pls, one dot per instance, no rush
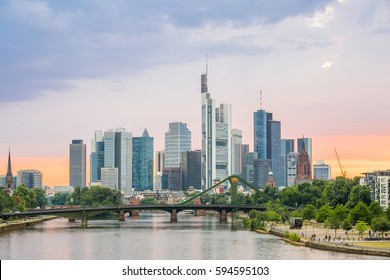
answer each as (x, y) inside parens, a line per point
(110, 177)
(177, 141)
(308, 147)
(158, 169)
(216, 138)
(97, 157)
(322, 170)
(292, 163)
(260, 134)
(287, 146)
(261, 169)
(275, 154)
(143, 162)
(77, 164)
(236, 151)
(30, 178)
(191, 169)
(379, 183)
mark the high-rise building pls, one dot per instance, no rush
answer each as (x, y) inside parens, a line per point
(304, 166)
(292, 159)
(77, 164)
(143, 162)
(260, 134)
(110, 177)
(97, 157)
(275, 154)
(158, 169)
(379, 182)
(171, 178)
(261, 169)
(30, 178)
(322, 170)
(177, 141)
(247, 165)
(118, 152)
(236, 151)
(216, 138)
(287, 146)
(191, 169)
(9, 183)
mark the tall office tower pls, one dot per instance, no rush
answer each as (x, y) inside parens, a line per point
(322, 170)
(275, 154)
(30, 178)
(287, 146)
(260, 134)
(304, 167)
(236, 151)
(171, 178)
(269, 135)
(143, 162)
(118, 152)
(223, 139)
(77, 164)
(9, 183)
(261, 168)
(216, 138)
(292, 159)
(379, 182)
(158, 169)
(308, 147)
(191, 169)
(97, 157)
(177, 141)
(247, 172)
(110, 177)
(244, 150)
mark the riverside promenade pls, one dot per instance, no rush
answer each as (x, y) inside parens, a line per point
(315, 236)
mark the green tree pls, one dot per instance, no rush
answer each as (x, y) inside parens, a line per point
(360, 213)
(27, 196)
(309, 212)
(291, 196)
(41, 197)
(359, 193)
(375, 209)
(341, 212)
(6, 202)
(388, 213)
(338, 191)
(347, 226)
(361, 227)
(381, 224)
(323, 213)
(271, 191)
(333, 222)
(59, 199)
(148, 201)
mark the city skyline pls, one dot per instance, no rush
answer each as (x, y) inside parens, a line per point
(321, 67)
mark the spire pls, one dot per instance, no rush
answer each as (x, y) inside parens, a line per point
(303, 143)
(9, 169)
(203, 87)
(145, 133)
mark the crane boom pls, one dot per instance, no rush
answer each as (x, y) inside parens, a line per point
(343, 171)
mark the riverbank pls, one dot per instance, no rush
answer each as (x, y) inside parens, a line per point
(21, 223)
(349, 245)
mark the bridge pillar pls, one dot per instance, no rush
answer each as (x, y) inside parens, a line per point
(223, 216)
(174, 216)
(234, 219)
(72, 220)
(121, 216)
(84, 220)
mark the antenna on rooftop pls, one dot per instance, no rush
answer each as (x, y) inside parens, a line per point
(261, 100)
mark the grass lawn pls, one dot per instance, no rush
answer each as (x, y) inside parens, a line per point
(376, 244)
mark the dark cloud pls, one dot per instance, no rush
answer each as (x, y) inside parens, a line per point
(45, 43)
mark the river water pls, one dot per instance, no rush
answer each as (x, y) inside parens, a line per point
(152, 236)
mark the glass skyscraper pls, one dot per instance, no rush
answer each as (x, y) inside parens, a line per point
(77, 164)
(177, 141)
(143, 162)
(260, 133)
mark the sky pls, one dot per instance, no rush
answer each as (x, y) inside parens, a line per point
(68, 68)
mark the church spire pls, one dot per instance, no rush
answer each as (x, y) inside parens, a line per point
(9, 183)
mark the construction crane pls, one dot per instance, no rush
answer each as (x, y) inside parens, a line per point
(343, 171)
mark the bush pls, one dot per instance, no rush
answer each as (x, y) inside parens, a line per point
(292, 236)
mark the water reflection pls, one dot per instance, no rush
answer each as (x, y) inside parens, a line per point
(151, 236)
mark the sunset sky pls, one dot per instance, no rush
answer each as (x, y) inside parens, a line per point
(68, 68)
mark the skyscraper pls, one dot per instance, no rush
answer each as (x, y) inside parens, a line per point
(77, 164)
(276, 154)
(260, 134)
(292, 159)
(287, 146)
(118, 152)
(191, 169)
(110, 177)
(9, 184)
(158, 169)
(97, 157)
(216, 138)
(177, 141)
(236, 151)
(261, 169)
(143, 162)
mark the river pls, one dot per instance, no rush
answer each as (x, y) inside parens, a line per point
(152, 237)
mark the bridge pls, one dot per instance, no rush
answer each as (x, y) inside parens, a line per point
(85, 212)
